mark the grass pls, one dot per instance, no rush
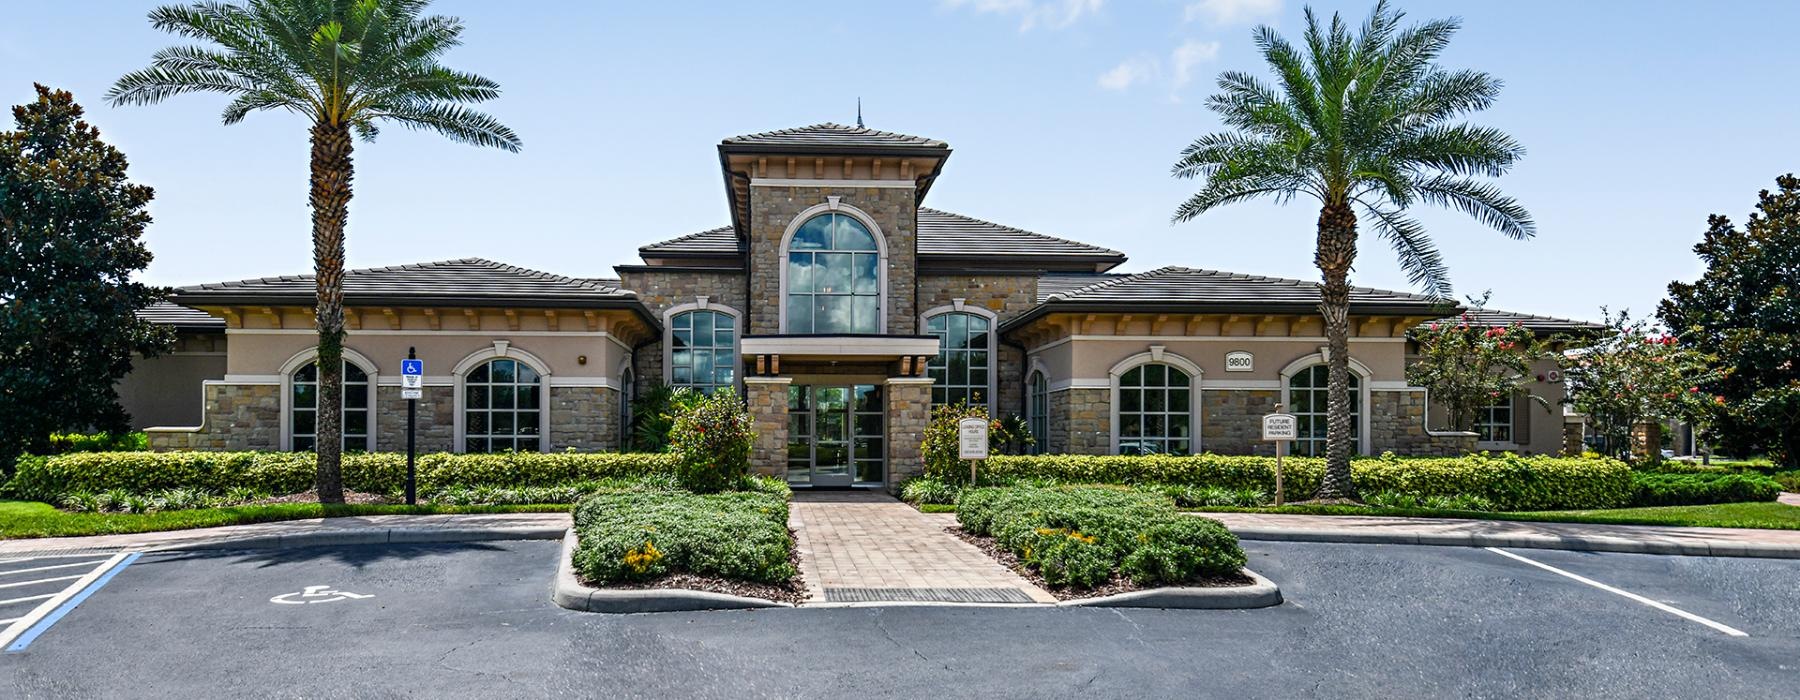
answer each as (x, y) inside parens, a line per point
(25, 519)
(1764, 516)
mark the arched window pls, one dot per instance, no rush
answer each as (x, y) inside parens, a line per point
(703, 350)
(1037, 410)
(303, 405)
(1308, 398)
(960, 372)
(833, 277)
(502, 407)
(1155, 410)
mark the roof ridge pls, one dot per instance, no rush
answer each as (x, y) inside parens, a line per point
(1020, 230)
(1113, 282)
(685, 237)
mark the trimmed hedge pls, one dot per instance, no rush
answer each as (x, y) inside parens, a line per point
(1701, 488)
(50, 479)
(1081, 536)
(643, 535)
(1509, 482)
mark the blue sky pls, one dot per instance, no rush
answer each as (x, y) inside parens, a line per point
(1640, 119)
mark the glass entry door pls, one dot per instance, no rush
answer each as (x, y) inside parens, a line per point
(835, 435)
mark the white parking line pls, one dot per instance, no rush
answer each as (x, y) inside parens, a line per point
(1683, 614)
(27, 599)
(12, 629)
(41, 580)
(58, 566)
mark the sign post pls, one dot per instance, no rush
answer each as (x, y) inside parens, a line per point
(412, 385)
(972, 442)
(1279, 428)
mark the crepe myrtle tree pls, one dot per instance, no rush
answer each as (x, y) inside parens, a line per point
(1366, 124)
(1467, 365)
(348, 67)
(1637, 374)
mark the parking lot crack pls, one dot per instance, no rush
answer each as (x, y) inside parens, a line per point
(1137, 630)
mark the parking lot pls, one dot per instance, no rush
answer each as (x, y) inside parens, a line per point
(1359, 621)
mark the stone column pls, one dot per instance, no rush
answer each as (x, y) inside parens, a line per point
(908, 412)
(583, 417)
(768, 401)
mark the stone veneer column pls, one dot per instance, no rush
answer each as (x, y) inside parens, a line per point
(585, 418)
(1231, 421)
(238, 417)
(436, 419)
(1089, 419)
(768, 402)
(1397, 424)
(908, 412)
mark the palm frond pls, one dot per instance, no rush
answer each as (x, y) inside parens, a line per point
(1418, 256)
(456, 122)
(1459, 149)
(1482, 201)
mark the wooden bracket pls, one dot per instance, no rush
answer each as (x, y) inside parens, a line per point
(273, 314)
(1119, 327)
(593, 320)
(512, 319)
(472, 319)
(431, 317)
(551, 321)
(393, 318)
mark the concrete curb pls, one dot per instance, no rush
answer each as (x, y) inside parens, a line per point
(1262, 593)
(1577, 543)
(348, 537)
(568, 592)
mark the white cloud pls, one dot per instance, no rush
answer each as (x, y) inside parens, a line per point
(1232, 11)
(1136, 70)
(1054, 14)
(1188, 55)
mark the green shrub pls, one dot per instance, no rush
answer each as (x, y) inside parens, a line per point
(63, 443)
(643, 535)
(1400, 499)
(711, 441)
(1697, 489)
(929, 489)
(1082, 536)
(1790, 481)
(49, 479)
(1508, 482)
(941, 443)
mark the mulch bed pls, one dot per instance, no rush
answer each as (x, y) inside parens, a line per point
(356, 498)
(1118, 584)
(791, 591)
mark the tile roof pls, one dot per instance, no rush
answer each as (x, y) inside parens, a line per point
(941, 234)
(465, 282)
(164, 313)
(1183, 289)
(1063, 283)
(1538, 324)
(832, 136)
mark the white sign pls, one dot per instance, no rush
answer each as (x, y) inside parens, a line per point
(1279, 427)
(974, 438)
(409, 394)
(1240, 361)
(412, 381)
(316, 594)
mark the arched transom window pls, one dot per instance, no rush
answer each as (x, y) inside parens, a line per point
(960, 370)
(1037, 409)
(502, 407)
(833, 277)
(304, 407)
(1308, 396)
(703, 350)
(1155, 410)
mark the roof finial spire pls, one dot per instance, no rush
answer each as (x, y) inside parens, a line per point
(859, 123)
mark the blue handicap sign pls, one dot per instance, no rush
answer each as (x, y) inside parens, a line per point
(412, 367)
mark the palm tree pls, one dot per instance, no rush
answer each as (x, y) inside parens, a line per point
(348, 66)
(1366, 123)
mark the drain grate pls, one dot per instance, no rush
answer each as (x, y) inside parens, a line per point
(926, 595)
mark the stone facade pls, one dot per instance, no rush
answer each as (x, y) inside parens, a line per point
(238, 417)
(1397, 424)
(661, 290)
(1081, 422)
(774, 208)
(436, 420)
(908, 412)
(585, 418)
(1006, 296)
(768, 401)
(1231, 421)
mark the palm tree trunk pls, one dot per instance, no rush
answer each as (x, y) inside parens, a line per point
(331, 173)
(1336, 253)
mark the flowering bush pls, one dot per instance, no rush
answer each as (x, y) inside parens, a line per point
(1468, 366)
(1637, 374)
(711, 440)
(941, 444)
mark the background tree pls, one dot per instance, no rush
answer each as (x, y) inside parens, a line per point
(71, 237)
(1362, 122)
(1637, 374)
(347, 66)
(1745, 310)
(1469, 366)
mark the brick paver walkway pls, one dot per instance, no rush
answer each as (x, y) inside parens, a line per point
(866, 540)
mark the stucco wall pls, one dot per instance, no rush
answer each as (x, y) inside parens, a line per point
(774, 208)
(166, 390)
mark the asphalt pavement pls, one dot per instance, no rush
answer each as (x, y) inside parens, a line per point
(475, 620)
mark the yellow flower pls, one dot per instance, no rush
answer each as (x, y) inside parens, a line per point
(639, 560)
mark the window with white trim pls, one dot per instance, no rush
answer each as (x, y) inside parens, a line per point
(1309, 401)
(960, 370)
(304, 408)
(1494, 422)
(502, 407)
(1155, 410)
(833, 280)
(1037, 409)
(703, 350)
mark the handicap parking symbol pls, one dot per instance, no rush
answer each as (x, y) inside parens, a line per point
(317, 594)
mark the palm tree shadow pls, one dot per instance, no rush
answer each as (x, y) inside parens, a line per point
(356, 556)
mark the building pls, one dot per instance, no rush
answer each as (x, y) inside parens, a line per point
(842, 308)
